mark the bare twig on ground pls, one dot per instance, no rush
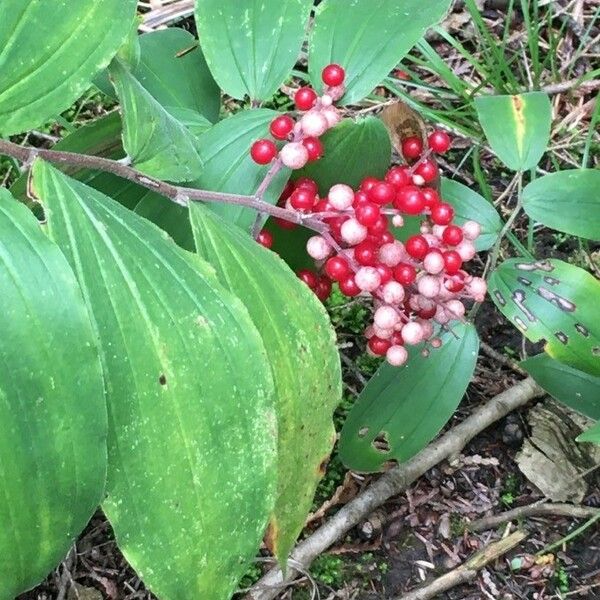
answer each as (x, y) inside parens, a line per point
(503, 360)
(468, 570)
(534, 510)
(393, 482)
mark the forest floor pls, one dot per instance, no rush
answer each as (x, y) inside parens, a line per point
(422, 533)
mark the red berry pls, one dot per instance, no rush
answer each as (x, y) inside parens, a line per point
(396, 339)
(323, 289)
(427, 313)
(286, 193)
(367, 213)
(265, 238)
(281, 127)
(302, 199)
(284, 223)
(398, 176)
(378, 346)
(367, 183)
(263, 151)
(457, 283)
(382, 192)
(333, 75)
(439, 141)
(431, 196)
(322, 206)
(314, 147)
(400, 74)
(387, 237)
(385, 273)
(360, 197)
(452, 262)
(452, 235)
(380, 226)
(428, 170)
(365, 254)
(442, 214)
(309, 277)
(417, 246)
(337, 268)
(307, 183)
(412, 147)
(405, 274)
(410, 200)
(305, 98)
(348, 287)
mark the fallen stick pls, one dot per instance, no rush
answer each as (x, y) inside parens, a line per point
(468, 570)
(391, 483)
(534, 510)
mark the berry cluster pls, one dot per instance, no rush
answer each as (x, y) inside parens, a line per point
(415, 285)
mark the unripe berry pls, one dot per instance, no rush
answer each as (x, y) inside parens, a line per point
(368, 279)
(378, 346)
(393, 292)
(366, 213)
(452, 262)
(412, 333)
(336, 92)
(314, 123)
(442, 214)
(333, 75)
(386, 317)
(302, 199)
(398, 221)
(263, 151)
(385, 273)
(426, 329)
(441, 315)
(314, 148)
(439, 141)
(332, 114)
(452, 235)
(428, 286)
(384, 334)
(436, 343)
(477, 288)
(433, 262)
(340, 196)
(365, 254)
(348, 286)
(337, 268)
(405, 274)
(265, 238)
(294, 155)
(382, 192)
(281, 127)
(472, 230)
(412, 148)
(353, 232)
(417, 246)
(318, 247)
(305, 98)
(466, 250)
(309, 277)
(396, 356)
(455, 309)
(391, 254)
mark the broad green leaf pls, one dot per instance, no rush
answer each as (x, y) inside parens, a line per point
(568, 201)
(172, 68)
(353, 151)
(192, 431)
(402, 409)
(193, 120)
(228, 166)
(251, 45)
(52, 407)
(51, 51)
(300, 344)
(368, 38)
(591, 435)
(517, 127)
(552, 301)
(157, 143)
(572, 387)
(471, 206)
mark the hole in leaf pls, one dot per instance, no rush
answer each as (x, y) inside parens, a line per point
(162, 379)
(362, 432)
(381, 443)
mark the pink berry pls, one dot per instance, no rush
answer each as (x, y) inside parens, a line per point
(305, 98)
(353, 232)
(314, 124)
(436, 343)
(391, 254)
(318, 247)
(340, 196)
(336, 92)
(439, 141)
(455, 309)
(398, 221)
(333, 75)
(471, 230)
(332, 114)
(263, 151)
(434, 262)
(412, 333)
(412, 148)
(478, 289)
(281, 127)
(386, 317)
(393, 292)
(396, 356)
(427, 329)
(466, 250)
(294, 155)
(428, 286)
(368, 279)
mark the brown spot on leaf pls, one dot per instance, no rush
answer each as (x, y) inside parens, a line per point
(381, 443)
(518, 104)
(271, 536)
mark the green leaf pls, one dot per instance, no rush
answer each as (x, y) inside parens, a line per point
(192, 431)
(300, 344)
(471, 206)
(368, 38)
(175, 81)
(353, 151)
(572, 387)
(552, 301)
(591, 435)
(52, 408)
(568, 201)
(251, 46)
(517, 127)
(191, 119)
(228, 166)
(402, 409)
(51, 51)
(157, 143)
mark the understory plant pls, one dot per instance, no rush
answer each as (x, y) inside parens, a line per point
(165, 353)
